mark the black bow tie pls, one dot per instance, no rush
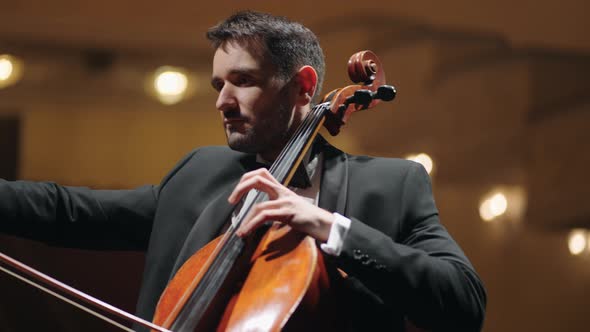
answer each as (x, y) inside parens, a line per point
(299, 180)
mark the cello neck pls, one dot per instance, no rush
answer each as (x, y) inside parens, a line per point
(291, 156)
(201, 296)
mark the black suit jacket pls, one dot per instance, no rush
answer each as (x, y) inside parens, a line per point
(402, 263)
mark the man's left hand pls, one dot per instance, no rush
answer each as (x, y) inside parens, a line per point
(283, 205)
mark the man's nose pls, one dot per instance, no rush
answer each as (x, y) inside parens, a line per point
(226, 99)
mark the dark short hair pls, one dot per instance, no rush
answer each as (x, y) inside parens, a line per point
(290, 45)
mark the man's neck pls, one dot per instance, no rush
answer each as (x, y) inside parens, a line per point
(298, 116)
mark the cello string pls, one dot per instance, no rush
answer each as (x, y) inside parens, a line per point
(299, 139)
(307, 122)
(216, 274)
(280, 167)
(302, 137)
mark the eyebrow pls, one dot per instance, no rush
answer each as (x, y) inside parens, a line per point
(237, 71)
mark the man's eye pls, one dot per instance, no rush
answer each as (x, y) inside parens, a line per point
(217, 86)
(244, 81)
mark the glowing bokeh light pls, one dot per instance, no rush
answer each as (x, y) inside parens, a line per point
(498, 204)
(11, 70)
(493, 206)
(170, 85)
(485, 211)
(6, 68)
(577, 241)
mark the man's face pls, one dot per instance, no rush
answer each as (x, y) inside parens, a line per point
(255, 104)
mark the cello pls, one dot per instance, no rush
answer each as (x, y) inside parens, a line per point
(265, 282)
(207, 294)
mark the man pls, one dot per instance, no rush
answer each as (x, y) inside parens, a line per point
(375, 218)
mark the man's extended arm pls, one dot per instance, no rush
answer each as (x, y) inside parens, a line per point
(77, 216)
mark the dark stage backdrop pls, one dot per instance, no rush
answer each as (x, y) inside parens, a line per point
(9, 146)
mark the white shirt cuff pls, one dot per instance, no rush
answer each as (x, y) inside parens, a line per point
(338, 233)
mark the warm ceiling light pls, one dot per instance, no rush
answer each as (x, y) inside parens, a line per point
(5, 69)
(498, 204)
(506, 201)
(10, 70)
(493, 206)
(170, 84)
(577, 241)
(423, 159)
(485, 211)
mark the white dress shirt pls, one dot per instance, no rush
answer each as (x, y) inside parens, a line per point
(341, 224)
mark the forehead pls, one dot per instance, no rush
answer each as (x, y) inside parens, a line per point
(231, 56)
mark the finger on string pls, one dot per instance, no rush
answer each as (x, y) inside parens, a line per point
(257, 182)
(260, 218)
(262, 172)
(253, 173)
(261, 208)
(267, 205)
(266, 173)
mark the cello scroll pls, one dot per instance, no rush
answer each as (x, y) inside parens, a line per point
(364, 69)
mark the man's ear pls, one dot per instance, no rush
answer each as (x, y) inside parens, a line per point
(307, 80)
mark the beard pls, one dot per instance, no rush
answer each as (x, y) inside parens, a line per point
(270, 132)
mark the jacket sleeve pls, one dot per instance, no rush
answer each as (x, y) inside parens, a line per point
(80, 217)
(422, 270)
(77, 217)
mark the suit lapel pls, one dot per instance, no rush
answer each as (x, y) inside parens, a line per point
(334, 186)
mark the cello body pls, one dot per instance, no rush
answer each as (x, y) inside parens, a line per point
(287, 287)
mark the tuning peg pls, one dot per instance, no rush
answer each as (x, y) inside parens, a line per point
(385, 93)
(363, 97)
(360, 97)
